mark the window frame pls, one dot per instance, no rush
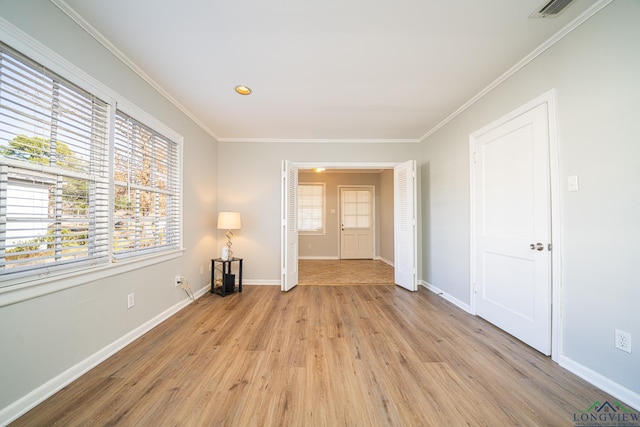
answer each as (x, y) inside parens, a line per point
(314, 232)
(27, 286)
(171, 136)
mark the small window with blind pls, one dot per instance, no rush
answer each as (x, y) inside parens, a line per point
(53, 171)
(146, 193)
(311, 208)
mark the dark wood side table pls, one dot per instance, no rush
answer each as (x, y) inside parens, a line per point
(226, 271)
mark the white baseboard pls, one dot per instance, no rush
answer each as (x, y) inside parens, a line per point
(48, 389)
(268, 282)
(625, 395)
(453, 300)
(629, 397)
(386, 261)
(335, 258)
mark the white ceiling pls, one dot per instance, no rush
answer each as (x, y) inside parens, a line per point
(322, 69)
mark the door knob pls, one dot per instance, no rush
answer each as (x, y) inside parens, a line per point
(536, 247)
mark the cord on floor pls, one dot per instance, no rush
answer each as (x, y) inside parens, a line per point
(188, 291)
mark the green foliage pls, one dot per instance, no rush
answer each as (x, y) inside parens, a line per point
(32, 248)
(37, 149)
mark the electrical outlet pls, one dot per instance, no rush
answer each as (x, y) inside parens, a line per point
(179, 281)
(623, 340)
(130, 301)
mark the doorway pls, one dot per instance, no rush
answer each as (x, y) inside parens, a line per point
(405, 219)
(512, 214)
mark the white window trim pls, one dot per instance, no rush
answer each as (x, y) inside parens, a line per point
(150, 121)
(20, 289)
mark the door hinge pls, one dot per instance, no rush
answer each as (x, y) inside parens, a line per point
(549, 246)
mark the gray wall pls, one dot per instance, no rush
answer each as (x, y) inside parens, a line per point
(43, 337)
(595, 72)
(327, 245)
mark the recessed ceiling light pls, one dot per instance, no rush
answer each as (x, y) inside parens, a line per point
(318, 170)
(243, 90)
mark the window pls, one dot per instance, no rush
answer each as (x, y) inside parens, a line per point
(311, 208)
(53, 170)
(146, 189)
(356, 208)
(65, 204)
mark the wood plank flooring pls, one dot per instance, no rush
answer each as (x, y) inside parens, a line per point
(322, 356)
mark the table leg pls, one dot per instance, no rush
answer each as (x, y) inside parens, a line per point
(213, 277)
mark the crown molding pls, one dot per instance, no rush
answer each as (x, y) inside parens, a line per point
(321, 140)
(595, 8)
(71, 13)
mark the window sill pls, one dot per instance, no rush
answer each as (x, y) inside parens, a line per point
(17, 293)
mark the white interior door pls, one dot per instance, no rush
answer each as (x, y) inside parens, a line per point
(405, 225)
(289, 226)
(356, 222)
(512, 226)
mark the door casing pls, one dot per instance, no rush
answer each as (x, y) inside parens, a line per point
(547, 98)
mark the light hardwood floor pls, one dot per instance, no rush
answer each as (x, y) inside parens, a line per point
(322, 356)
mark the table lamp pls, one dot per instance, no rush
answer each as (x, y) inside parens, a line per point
(228, 221)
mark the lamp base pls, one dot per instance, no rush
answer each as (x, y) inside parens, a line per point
(229, 251)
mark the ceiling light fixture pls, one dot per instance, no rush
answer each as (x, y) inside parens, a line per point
(243, 90)
(318, 170)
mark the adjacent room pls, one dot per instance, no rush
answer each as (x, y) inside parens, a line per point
(319, 213)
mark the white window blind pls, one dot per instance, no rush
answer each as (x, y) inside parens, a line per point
(146, 189)
(311, 207)
(54, 177)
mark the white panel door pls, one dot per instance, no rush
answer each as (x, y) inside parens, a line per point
(405, 225)
(356, 223)
(513, 234)
(289, 227)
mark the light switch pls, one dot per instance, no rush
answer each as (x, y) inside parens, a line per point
(572, 183)
(333, 211)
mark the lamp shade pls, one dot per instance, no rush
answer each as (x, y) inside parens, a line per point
(229, 221)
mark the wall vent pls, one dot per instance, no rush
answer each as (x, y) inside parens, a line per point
(550, 9)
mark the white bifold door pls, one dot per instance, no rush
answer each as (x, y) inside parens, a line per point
(405, 249)
(289, 226)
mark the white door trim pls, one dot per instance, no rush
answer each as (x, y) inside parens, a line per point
(547, 98)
